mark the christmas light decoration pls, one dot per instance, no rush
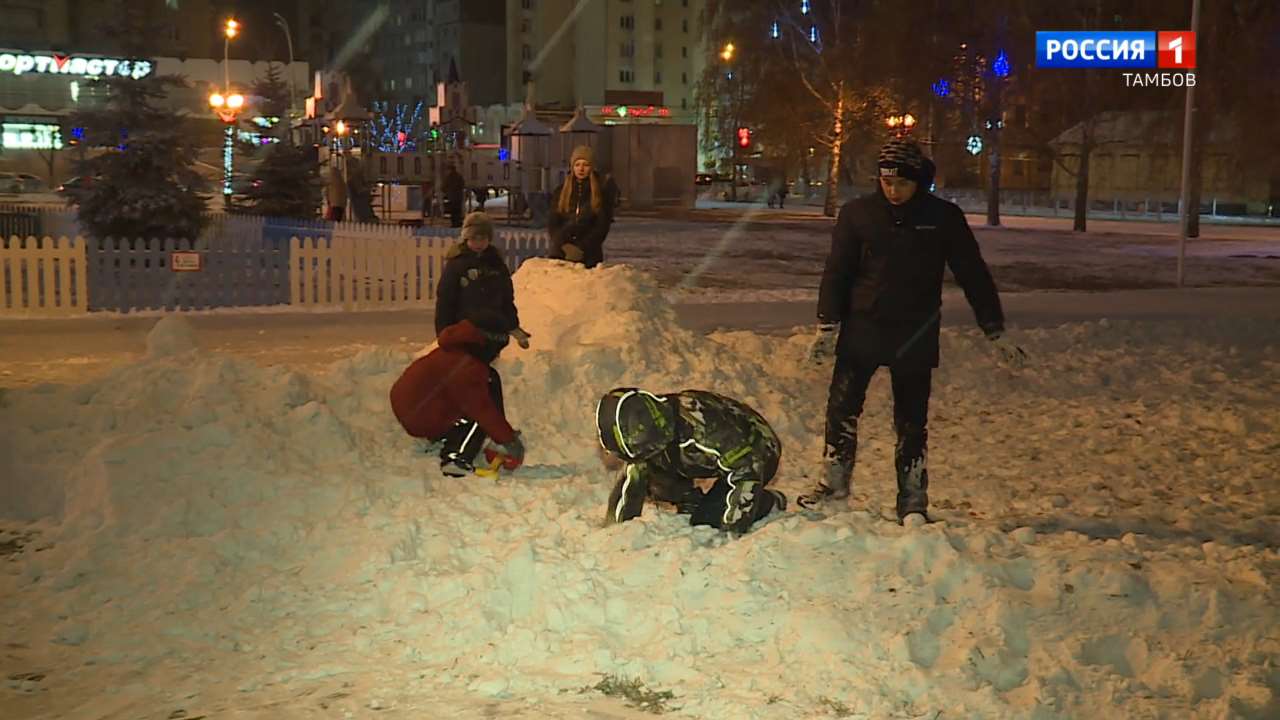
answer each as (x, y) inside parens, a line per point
(400, 129)
(1001, 65)
(942, 88)
(774, 31)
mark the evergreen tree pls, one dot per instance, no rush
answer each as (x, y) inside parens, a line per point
(144, 180)
(285, 184)
(273, 95)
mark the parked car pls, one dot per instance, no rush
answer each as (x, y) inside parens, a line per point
(75, 183)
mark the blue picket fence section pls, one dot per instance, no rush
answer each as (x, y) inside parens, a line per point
(245, 258)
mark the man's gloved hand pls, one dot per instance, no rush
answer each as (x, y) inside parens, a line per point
(1011, 356)
(522, 337)
(824, 342)
(512, 453)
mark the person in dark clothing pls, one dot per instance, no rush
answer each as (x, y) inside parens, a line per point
(669, 441)
(454, 187)
(581, 211)
(476, 279)
(453, 396)
(879, 305)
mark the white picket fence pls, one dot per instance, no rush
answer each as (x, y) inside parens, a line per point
(355, 269)
(43, 276)
(360, 273)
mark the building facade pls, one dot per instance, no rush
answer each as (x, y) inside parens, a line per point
(610, 52)
(1137, 159)
(640, 52)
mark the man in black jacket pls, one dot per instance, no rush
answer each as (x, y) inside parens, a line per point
(454, 187)
(880, 303)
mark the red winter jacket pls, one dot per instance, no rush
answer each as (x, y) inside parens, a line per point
(446, 385)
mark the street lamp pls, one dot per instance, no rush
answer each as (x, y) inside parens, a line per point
(231, 30)
(227, 105)
(288, 38)
(726, 54)
(901, 124)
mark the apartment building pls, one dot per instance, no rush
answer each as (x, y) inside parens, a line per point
(605, 52)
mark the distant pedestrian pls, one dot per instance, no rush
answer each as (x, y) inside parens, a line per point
(336, 195)
(454, 189)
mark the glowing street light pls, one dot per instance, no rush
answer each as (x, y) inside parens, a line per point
(727, 53)
(226, 105)
(901, 124)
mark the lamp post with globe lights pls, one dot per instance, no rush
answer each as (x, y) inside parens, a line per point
(901, 125)
(227, 105)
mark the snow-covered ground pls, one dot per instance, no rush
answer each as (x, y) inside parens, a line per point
(203, 532)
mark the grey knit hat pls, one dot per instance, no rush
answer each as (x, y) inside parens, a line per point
(476, 225)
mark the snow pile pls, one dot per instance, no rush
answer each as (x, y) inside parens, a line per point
(220, 537)
(171, 335)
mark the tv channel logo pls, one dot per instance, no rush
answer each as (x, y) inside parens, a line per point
(1165, 49)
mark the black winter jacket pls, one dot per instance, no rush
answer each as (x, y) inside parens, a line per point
(883, 278)
(581, 225)
(475, 284)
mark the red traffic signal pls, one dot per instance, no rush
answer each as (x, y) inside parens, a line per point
(744, 137)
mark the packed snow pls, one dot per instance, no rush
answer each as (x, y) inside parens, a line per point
(196, 534)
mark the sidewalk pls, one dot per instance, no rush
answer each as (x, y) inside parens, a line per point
(721, 211)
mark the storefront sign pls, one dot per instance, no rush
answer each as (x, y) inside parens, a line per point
(30, 136)
(623, 111)
(20, 63)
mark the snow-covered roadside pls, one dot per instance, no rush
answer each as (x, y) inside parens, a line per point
(226, 538)
(742, 260)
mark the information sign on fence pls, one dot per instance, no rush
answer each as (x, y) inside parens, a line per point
(185, 261)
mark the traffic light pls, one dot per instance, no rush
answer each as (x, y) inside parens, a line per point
(744, 137)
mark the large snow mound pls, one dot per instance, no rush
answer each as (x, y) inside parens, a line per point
(217, 536)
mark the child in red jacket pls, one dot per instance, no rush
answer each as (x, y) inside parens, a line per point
(454, 395)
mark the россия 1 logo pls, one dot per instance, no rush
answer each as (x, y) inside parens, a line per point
(1122, 49)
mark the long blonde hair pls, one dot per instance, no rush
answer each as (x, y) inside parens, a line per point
(566, 192)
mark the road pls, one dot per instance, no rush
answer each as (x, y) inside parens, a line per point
(76, 349)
